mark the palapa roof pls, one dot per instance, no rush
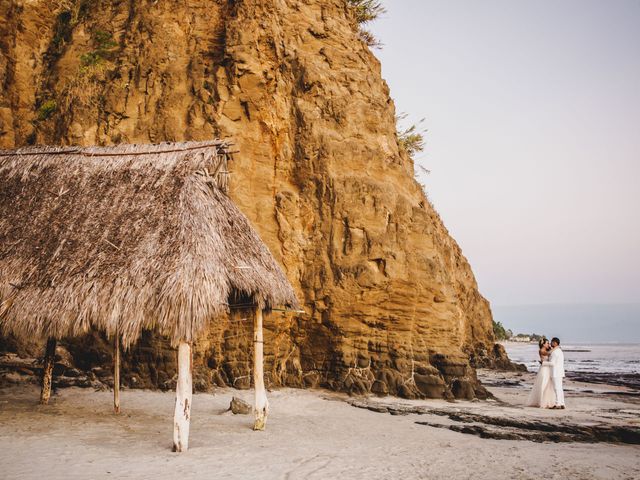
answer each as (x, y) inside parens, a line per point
(133, 236)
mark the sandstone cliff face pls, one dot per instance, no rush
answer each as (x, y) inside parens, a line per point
(392, 304)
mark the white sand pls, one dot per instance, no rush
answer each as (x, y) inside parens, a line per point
(310, 434)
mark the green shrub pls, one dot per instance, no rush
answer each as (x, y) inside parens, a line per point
(103, 40)
(103, 43)
(410, 139)
(46, 109)
(368, 38)
(90, 59)
(500, 332)
(365, 11)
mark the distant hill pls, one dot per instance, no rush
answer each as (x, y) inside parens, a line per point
(574, 323)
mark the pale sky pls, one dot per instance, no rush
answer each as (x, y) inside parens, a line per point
(533, 116)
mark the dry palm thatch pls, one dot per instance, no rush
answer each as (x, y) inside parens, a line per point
(130, 237)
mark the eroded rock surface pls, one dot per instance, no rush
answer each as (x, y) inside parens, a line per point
(393, 306)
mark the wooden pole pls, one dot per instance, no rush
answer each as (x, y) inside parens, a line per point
(184, 393)
(47, 370)
(261, 403)
(116, 372)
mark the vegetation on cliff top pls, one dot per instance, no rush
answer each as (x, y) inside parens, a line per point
(411, 138)
(365, 11)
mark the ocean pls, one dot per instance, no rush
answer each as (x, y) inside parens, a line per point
(615, 358)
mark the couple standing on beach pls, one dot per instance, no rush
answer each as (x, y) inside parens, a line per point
(547, 389)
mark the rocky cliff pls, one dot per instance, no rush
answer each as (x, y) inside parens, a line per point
(393, 306)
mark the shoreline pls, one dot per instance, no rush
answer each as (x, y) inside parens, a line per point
(589, 363)
(571, 344)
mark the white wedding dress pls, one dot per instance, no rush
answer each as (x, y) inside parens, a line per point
(542, 395)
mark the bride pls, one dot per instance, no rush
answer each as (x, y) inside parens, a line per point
(543, 395)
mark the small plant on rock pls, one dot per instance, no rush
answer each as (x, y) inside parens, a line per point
(103, 43)
(410, 139)
(365, 11)
(46, 109)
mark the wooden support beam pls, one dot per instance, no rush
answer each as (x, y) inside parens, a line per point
(261, 403)
(184, 393)
(47, 370)
(116, 372)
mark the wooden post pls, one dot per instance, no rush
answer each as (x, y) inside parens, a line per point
(116, 372)
(261, 404)
(47, 370)
(184, 393)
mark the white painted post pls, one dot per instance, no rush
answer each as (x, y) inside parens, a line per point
(261, 403)
(184, 393)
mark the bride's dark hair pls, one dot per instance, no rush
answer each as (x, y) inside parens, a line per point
(542, 341)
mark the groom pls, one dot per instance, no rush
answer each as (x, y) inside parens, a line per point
(557, 372)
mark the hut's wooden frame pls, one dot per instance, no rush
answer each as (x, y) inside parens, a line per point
(64, 281)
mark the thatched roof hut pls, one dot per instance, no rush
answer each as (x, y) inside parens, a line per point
(135, 237)
(126, 238)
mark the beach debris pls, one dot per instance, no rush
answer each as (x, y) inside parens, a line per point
(240, 407)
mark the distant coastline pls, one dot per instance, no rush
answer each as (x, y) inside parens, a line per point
(508, 341)
(573, 323)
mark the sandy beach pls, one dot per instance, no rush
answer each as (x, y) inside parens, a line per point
(314, 434)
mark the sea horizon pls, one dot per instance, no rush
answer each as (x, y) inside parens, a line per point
(603, 323)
